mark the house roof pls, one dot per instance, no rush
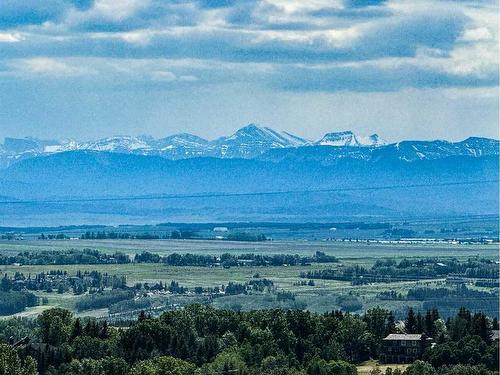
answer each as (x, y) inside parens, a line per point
(495, 334)
(404, 336)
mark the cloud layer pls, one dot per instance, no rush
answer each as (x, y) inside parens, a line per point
(333, 45)
(281, 46)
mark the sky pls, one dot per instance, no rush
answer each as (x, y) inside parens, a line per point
(87, 69)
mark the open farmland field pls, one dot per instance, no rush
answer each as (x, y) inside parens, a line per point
(321, 297)
(340, 249)
(318, 295)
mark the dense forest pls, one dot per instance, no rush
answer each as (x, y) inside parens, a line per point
(202, 340)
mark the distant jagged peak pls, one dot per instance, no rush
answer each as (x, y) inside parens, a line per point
(117, 143)
(263, 134)
(253, 131)
(372, 140)
(248, 142)
(183, 138)
(342, 138)
(348, 138)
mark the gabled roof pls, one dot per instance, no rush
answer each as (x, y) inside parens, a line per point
(404, 336)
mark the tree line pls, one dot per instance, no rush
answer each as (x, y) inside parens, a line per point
(201, 340)
(174, 235)
(91, 256)
(62, 282)
(408, 269)
(232, 260)
(61, 257)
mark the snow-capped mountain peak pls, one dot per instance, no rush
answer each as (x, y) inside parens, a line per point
(181, 139)
(249, 142)
(253, 140)
(181, 145)
(348, 138)
(372, 140)
(117, 144)
(265, 134)
(65, 145)
(344, 138)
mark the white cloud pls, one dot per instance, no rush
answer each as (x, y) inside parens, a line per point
(167, 76)
(471, 93)
(118, 10)
(188, 78)
(477, 34)
(137, 37)
(47, 66)
(336, 38)
(163, 76)
(11, 37)
(294, 6)
(110, 70)
(106, 11)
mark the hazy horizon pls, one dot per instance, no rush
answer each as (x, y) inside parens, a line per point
(231, 132)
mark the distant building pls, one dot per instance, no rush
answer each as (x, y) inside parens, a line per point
(220, 229)
(403, 348)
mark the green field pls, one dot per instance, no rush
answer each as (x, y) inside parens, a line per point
(320, 297)
(346, 249)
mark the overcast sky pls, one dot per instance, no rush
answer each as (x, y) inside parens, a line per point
(403, 69)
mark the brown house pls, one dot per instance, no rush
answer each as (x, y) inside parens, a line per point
(404, 348)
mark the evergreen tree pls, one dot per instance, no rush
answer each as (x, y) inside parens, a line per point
(419, 325)
(429, 324)
(411, 322)
(77, 329)
(104, 334)
(391, 324)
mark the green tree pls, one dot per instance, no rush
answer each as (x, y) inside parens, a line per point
(466, 370)
(391, 324)
(55, 326)
(105, 366)
(411, 322)
(226, 363)
(163, 366)
(322, 367)
(114, 366)
(275, 366)
(420, 368)
(355, 338)
(77, 329)
(90, 347)
(11, 364)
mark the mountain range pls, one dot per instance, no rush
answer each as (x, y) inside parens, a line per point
(339, 177)
(248, 142)
(254, 141)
